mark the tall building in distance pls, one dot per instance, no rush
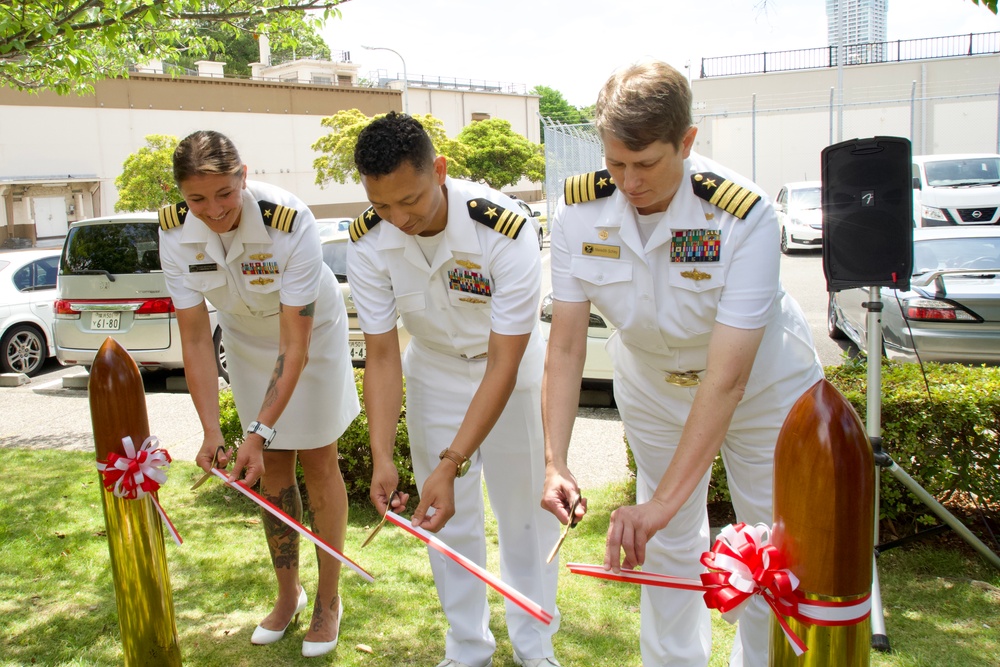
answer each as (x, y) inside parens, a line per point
(856, 21)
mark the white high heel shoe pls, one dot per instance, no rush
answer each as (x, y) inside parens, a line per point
(316, 649)
(262, 636)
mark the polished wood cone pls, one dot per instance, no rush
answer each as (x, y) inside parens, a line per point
(824, 504)
(135, 535)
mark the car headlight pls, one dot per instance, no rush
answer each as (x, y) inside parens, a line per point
(932, 213)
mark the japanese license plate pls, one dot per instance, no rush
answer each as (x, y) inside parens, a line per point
(105, 320)
(357, 350)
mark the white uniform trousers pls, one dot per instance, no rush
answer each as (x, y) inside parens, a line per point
(439, 389)
(675, 626)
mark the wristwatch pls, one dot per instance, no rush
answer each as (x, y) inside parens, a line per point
(461, 462)
(265, 432)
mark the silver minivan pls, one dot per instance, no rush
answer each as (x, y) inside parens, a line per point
(110, 284)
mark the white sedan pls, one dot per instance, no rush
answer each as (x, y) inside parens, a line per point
(27, 292)
(597, 367)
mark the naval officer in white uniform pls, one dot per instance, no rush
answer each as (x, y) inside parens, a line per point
(681, 256)
(253, 251)
(462, 269)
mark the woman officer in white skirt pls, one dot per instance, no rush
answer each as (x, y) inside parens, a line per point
(253, 251)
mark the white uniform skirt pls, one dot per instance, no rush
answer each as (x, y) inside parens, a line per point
(325, 400)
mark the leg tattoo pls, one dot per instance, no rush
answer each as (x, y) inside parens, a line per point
(283, 541)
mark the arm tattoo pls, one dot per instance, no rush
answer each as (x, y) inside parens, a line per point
(271, 395)
(308, 310)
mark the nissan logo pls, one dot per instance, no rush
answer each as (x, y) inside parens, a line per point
(977, 214)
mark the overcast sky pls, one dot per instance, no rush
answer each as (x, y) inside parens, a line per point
(573, 45)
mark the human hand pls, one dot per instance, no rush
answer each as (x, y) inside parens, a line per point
(384, 481)
(438, 494)
(249, 460)
(630, 529)
(558, 494)
(213, 452)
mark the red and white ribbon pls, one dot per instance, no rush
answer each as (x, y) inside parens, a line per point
(139, 474)
(493, 582)
(285, 518)
(743, 563)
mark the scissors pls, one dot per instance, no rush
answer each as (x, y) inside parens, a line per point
(215, 459)
(381, 523)
(572, 524)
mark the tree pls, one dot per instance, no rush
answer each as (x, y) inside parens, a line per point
(66, 45)
(337, 160)
(499, 156)
(988, 4)
(147, 179)
(552, 104)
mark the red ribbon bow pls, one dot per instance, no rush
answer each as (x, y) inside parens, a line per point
(138, 474)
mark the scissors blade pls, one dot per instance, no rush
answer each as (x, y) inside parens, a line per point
(381, 523)
(565, 531)
(208, 474)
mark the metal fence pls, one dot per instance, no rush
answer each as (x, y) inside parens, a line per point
(569, 150)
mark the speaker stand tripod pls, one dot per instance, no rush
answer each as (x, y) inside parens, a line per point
(880, 641)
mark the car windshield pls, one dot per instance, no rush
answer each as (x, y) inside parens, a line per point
(956, 253)
(114, 248)
(335, 256)
(969, 171)
(804, 198)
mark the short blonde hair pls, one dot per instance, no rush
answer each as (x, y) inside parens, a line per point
(645, 102)
(206, 152)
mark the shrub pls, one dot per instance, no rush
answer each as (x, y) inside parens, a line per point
(353, 447)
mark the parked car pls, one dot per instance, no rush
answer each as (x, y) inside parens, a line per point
(111, 284)
(800, 214)
(532, 216)
(335, 256)
(597, 367)
(951, 313)
(328, 227)
(958, 189)
(27, 292)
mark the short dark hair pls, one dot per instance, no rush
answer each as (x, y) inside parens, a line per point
(206, 152)
(389, 141)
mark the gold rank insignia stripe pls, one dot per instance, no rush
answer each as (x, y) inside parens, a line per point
(262, 281)
(695, 275)
(471, 299)
(280, 217)
(173, 216)
(363, 223)
(261, 256)
(466, 264)
(588, 187)
(496, 217)
(725, 194)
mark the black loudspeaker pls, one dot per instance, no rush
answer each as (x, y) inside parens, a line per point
(867, 213)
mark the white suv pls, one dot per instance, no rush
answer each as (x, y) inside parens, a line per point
(110, 284)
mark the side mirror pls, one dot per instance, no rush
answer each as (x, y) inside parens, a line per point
(916, 183)
(536, 214)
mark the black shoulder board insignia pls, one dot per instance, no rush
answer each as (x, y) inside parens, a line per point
(725, 194)
(280, 217)
(493, 215)
(364, 223)
(173, 216)
(588, 187)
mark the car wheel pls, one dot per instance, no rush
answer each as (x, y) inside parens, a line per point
(784, 242)
(220, 354)
(541, 236)
(832, 327)
(24, 350)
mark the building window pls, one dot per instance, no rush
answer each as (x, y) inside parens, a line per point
(478, 116)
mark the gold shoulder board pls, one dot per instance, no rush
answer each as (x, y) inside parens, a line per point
(173, 216)
(725, 194)
(588, 187)
(495, 216)
(363, 223)
(280, 217)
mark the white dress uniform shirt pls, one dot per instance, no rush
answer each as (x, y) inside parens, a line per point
(267, 266)
(701, 265)
(478, 281)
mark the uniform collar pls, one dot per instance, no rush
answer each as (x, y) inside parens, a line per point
(251, 231)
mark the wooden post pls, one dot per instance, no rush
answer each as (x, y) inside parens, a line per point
(824, 499)
(135, 536)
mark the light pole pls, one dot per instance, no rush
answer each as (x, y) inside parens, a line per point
(406, 100)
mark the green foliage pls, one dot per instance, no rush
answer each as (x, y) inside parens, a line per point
(336, 162)
(66, 45)
(988, 4)
(552, 104)
(353, 447)
(499, 156)
(147, 179)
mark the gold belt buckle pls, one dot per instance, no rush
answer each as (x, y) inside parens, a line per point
(683, 379)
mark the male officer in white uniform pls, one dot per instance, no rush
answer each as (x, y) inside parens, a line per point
(463, 271)
(681, 256)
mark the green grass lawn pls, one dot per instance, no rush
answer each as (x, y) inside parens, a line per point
(57, 600)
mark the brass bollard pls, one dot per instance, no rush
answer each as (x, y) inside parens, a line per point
(135, 536)
(824, 499)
